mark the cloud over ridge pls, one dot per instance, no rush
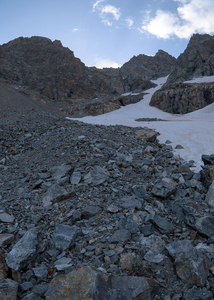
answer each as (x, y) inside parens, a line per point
(193, 16)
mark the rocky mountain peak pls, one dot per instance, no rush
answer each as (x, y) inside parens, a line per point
(149, 67)
(52, 71)
(197, 59)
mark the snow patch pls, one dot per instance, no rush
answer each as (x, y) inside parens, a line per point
(194, 131)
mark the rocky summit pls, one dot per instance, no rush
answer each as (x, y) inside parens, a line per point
(197, 60)
(47, 69)
(95, 212)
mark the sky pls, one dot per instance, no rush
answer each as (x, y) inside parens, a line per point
(189, 130)
(107, 33)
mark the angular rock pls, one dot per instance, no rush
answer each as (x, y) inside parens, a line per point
(192, 266)
(205, 226)
(6, 218)
(140, 191)
(59, 172)
(183, 214)
(37, 184)
(6, 239)
(3, 265)
(147, 134)
(126, 262)
(63, 264)
(131, 288)
(164, 188)
(64, 236)
(153, 242)
(161, 224)
(112, 208)
(97, 176)
(76, 216)
(131, 203)
(85, 283)
(208, 159)
(174, 246)
(206, 176)
(25, 286)
(32, 296)
(210, 196)
(40, 289)
(197, 294)
(88, 283)
(55, 194)
(154, 257)
(40, 272)
(75, 177)
(148, 229)
(23, 251)
(8, 289)
(90, 211)
(121, 235)
(130, 225)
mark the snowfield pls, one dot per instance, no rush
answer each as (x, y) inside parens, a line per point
(193, 131)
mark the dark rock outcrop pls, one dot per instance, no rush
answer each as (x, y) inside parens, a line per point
(196, 61)
(182, 98)
(149, 67)
(54, 72)
(49, 70)
(144, 67)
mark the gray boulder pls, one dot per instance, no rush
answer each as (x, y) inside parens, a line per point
(87, 283)
(210, 196)
(8, 289)
(192, 266)
(64, 236)
(23, 251)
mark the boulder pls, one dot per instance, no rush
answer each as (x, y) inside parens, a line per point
(8, 289)
(192, 266)
(23, 251)
(87, 283)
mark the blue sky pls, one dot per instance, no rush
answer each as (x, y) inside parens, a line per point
(107, 33)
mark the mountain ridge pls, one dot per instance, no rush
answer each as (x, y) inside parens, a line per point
(52, 71)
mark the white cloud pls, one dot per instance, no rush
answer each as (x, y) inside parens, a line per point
(192, 16)
(107, 63)
(109, 9)
(97, 3)
(129, 22)
(106, 11)
(75, 30)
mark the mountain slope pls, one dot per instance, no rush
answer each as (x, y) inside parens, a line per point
(197, 60)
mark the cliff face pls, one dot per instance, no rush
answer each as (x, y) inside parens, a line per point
(197, 60)
(182, 98)
(48, 68)
(149, 67)
(53, 71)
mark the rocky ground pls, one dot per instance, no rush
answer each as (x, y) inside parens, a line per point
(95, 212)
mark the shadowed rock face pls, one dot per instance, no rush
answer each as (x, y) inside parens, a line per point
(49, 69)
(52, 71)
(196, 61)
(182, 98)
(149, 67)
